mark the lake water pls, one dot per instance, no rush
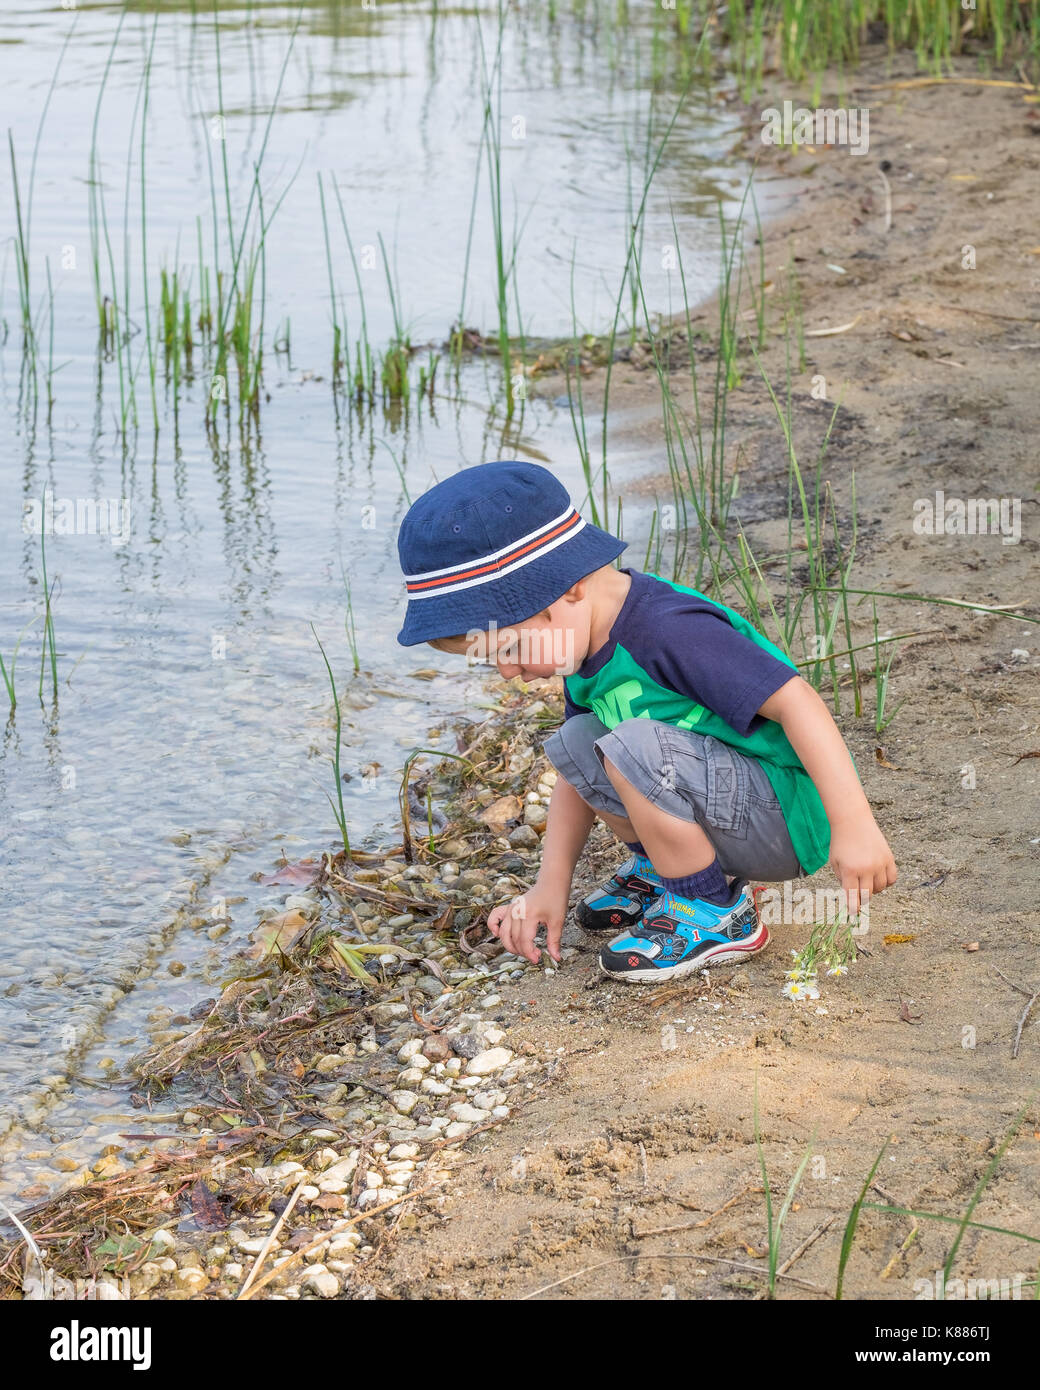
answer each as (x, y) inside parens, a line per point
(189, 743)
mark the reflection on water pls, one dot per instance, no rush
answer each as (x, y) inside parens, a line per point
(190, 738)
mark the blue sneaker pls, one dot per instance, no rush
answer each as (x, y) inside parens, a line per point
(678, 936)
(622, 900)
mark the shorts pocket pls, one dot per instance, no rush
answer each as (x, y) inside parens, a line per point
(728, 793)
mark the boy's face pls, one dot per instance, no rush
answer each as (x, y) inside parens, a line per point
(552, 643)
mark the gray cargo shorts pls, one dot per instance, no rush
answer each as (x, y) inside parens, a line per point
(689, 775)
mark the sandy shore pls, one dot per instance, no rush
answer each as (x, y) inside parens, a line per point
(938, 383)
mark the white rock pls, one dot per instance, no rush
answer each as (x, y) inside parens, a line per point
(404, 1101)
(333, 1186)
(308, 1193)
(469, 1113)
(254, 1246)
(321, 1282)
(435, 1088)
(408, 1050)
(163, 1239)
(400, 1151)
(493, 1059)
(373, 1179)
(409, 1078)
(453, 1066)
(493, 1036)
(234, 1270)
(342, 1170)
(457, 1128)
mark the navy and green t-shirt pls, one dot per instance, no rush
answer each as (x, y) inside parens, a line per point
(675, 655)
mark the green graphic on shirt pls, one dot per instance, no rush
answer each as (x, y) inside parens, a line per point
(622, 690)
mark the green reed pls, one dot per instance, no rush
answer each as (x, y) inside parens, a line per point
(48, 649)
(364, 368)
(338, 809)
(337, 332)
(395, 361)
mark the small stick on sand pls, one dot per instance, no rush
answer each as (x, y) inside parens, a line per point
(270, 1239)
(1032, 996)
(888, 199)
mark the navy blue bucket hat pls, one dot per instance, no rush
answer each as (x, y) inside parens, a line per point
(493, 545)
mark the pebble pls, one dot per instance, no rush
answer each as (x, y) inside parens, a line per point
(404, 920)
(524, 837)
(469, 1113)
(404, 1101)
(486, 1062)
(409, 1049)
(536, 816)
(322, 1282)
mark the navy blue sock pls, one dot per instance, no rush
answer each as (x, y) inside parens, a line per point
(636, 848)
(710, 885)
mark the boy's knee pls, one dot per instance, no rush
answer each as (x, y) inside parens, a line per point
(633, 741)
(576, 738)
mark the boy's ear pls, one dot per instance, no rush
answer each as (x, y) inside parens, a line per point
(575, 593)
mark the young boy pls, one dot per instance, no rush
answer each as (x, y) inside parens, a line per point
(686, 732)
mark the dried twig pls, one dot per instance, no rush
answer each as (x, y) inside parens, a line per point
(1032, 996)
(251, 1276)
(797, 1254)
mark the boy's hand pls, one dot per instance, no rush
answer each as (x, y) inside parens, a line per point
(862, 860)
(516, 923)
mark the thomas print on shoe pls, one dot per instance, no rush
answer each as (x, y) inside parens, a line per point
(678, 936)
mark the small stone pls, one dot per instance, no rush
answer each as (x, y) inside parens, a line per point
(322, 1282)
(536, 816)
(435, 1048)
(408, 1050)
(331, 1062)
(401, 1151)
(409, 1078)
(300, 902)
(434, 1088)
(190, 1118)
(404, 920)
(255, 1245)
(456, 1129)
(234, 1271)
(486, 1062)
(524, 837)
(490, 1001)
(404, 1101)
(469, 1113)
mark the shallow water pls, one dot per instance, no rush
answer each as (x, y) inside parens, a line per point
(190, 739)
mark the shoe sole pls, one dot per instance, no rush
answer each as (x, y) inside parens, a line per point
(725, 953)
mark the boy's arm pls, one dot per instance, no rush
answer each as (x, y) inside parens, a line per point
(516, 923)
(860, 855)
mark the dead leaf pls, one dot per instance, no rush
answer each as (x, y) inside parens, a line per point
(329, 1201)
(434, 968)
(898, 938)
(906, 1015)
(280, 933)
(500, 812)
(428, 673)
(206, 1209)
(970, 946)
(879, 757)
(302, 873)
